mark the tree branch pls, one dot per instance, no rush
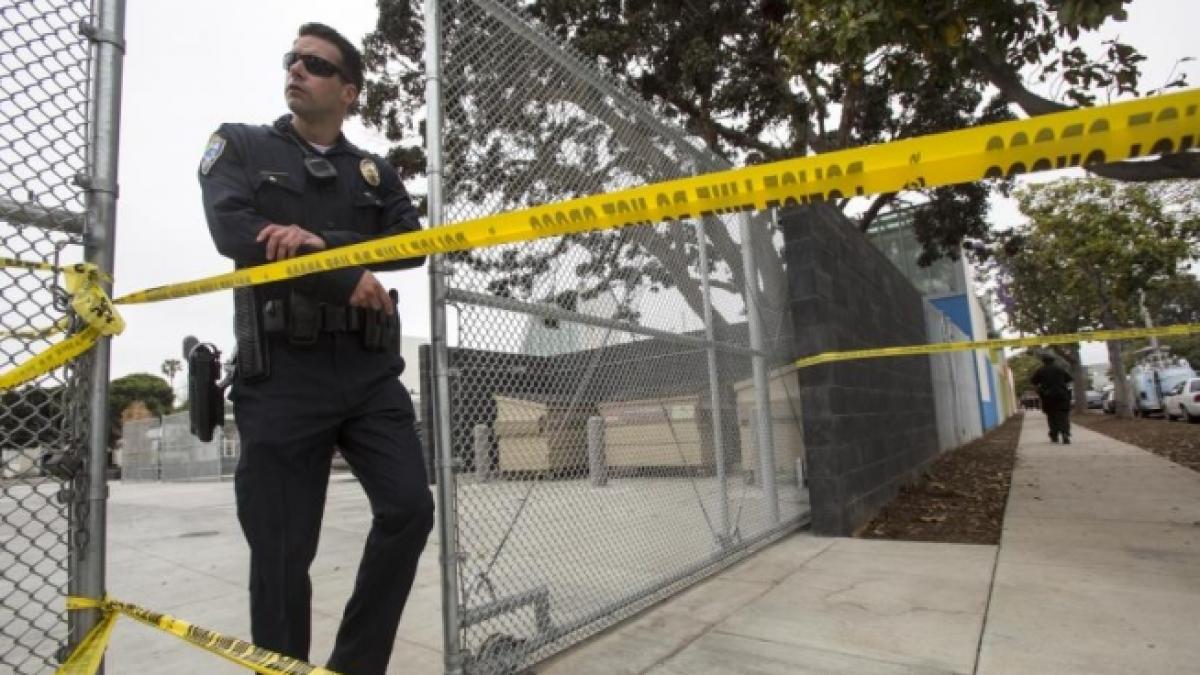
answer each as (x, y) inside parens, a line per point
(877, 205)
(850, 104)
(725, 286)
(1166, 167)
(699, 117)
(1005, 78)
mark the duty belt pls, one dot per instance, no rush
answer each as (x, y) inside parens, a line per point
(329, 318)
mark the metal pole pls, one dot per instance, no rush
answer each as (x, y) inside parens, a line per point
(443, 442)
(714, 390)
(87, 551)
(762, 392)
(1146, 317)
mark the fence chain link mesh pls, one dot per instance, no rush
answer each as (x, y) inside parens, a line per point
(164, 449)
(596, 380)
(44, 96)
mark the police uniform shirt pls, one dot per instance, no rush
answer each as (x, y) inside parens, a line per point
(255, 175)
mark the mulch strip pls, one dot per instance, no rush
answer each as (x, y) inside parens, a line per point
(959, 498)
(1177, 441)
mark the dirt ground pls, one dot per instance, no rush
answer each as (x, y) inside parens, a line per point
(959, 498)
(1177, 441)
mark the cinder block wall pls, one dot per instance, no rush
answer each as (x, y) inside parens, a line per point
(868, 425)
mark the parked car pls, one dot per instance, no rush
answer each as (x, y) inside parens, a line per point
(1184, 401)
(1094, 399)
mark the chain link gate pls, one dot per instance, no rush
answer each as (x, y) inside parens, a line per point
(57, 198)
(607, 404)
(44, 80)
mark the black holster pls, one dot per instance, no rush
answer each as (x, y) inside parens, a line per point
(206, 400)
(253, 358)
(381, 331)
(302, 319)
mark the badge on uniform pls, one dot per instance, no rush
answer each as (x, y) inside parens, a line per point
(370, 172)
(216, 145)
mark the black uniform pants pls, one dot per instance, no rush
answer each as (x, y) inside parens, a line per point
(1059, 418)
(333, 393)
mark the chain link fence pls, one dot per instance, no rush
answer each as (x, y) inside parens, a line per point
(623, 419)
(45, 67)
(155, 449)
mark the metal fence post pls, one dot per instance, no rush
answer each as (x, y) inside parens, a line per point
(443, 441)
(88, 552)
(762, 392)
(714, 384)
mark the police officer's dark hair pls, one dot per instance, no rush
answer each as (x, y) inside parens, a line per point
(352, 60)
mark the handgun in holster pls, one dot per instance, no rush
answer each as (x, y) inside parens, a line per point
(381, 331)
(206, 389)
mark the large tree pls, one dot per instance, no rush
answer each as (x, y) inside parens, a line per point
(153, 391)
(1090, 250)
(769, 79)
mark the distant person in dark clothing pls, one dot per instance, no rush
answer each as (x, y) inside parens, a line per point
(1053, 385)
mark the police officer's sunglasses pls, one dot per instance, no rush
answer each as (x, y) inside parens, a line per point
(313, 64)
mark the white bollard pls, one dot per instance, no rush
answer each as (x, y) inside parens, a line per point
(597, 463)
(483, 448)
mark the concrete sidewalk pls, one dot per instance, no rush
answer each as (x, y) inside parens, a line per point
(810, 605)
(1098, 571)
(1099, 566)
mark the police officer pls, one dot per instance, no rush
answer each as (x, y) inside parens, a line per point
(1053, 384)
(318, 356)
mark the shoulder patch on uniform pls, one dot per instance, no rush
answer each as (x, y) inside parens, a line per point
(370, 172)
(216, 145)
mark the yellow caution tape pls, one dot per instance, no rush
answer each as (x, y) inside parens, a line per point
(32, 266)
(1148, 126)
(59, 326)
(86, 657)
(88, 300)
(58, 355)
(1035, 341)
(34, 333)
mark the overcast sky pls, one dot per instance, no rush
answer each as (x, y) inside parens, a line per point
(193, 65)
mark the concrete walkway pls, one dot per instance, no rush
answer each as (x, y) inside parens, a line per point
(811, 605)
(1099, 566)
(1098, 572)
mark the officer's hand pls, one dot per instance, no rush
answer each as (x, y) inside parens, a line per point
(370, 294)
(283, 241)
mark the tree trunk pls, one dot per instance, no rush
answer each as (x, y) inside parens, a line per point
(1122, 399)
